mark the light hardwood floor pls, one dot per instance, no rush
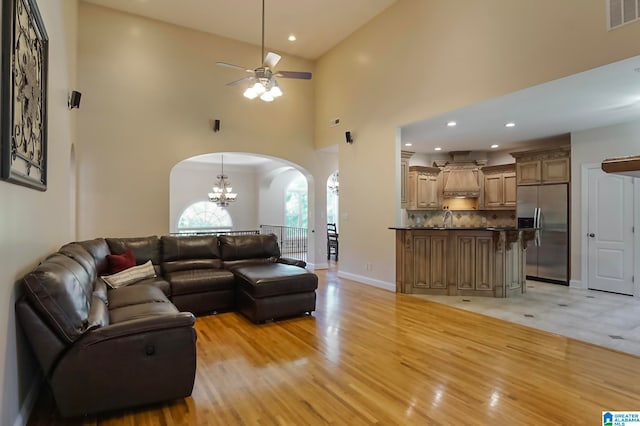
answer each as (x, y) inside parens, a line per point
(369, 356)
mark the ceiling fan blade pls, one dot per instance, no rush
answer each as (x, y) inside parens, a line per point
(224, 64)
(294, 74)
(271, 60)
(242, 80)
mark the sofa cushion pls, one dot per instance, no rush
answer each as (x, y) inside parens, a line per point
(242, 247)
(135, 295)
(158, 282)
(183, 265)
(120, 262)
(199, 281)
(131, 275)
(142, 310)
(138, 301)
(61, 290)
(189, 247)
(274, 279)
(99, 250)
(78, 253)
(144, 248)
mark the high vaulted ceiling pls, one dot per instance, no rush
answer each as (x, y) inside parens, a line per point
(318, 25)
(599, 97)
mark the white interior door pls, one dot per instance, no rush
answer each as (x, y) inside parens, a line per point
(610, 232)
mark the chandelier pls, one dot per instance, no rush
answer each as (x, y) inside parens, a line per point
(334, 184)
(222, 194)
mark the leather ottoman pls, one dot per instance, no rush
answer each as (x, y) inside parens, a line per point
(274, 290)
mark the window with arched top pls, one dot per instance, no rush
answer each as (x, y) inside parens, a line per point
(296, 203)
(204, 216)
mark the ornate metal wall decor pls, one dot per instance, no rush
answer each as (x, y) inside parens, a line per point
(25, 52)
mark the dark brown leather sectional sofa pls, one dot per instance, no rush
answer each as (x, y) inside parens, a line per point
(103, 349)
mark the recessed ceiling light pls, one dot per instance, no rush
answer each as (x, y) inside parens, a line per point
(292, 37)
(511, 124)
(494, 146)
(451, 124)
(438, 148)
(408, 144)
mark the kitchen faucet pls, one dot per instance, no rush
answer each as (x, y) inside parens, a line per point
(447, 214)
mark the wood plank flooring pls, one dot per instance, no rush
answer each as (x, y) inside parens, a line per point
(368, 356)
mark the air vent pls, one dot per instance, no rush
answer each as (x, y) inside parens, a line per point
(622, 12)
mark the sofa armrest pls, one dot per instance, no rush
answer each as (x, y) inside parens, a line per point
(138, 326)
(294, 262)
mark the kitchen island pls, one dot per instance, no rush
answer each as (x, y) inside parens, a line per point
(461, 261)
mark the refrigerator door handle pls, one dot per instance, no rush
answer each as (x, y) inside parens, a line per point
(537, 224)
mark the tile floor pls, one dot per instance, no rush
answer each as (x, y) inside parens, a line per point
(604, 319)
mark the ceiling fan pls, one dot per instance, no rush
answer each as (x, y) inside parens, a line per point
(262, 80)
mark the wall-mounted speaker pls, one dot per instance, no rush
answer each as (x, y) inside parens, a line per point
(347, 136)
(74, 99)
(216, 125)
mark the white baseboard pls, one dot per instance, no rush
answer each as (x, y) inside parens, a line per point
(29, 402)
(576, 284)
(313, 266)
(369, 281)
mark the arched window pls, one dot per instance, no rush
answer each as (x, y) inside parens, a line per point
(204, 216)
(296, 203)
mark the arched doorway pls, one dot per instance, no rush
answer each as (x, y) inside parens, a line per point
(333, 192)
(268, 189)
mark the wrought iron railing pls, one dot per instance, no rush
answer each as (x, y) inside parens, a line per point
(213, 232)
(293, 241)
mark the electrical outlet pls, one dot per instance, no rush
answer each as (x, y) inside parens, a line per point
(334, 122)
(368, 266)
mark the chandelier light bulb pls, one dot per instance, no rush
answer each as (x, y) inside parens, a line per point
(267, 97)
(250, 93)
(258, 88)
(275, 90)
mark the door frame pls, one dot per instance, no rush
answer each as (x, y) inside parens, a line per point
(585, 230)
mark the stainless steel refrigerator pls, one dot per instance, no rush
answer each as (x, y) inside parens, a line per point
(548, 207)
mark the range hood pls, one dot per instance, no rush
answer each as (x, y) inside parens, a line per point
(461, 176)
(629, 166)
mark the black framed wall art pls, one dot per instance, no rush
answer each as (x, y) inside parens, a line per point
(23, 111)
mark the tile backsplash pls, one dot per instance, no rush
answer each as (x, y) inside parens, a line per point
(462, 219)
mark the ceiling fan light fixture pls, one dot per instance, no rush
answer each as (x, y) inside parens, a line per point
(267, 97)
(275, 89)
(258, 88)
(250, 93)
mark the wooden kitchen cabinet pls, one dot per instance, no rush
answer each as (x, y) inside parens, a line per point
(500, 187)
(556, 170)
(430, 267)
(404, 178)
(424, 188)
(461, 262)
(543, 166)
(475, 262)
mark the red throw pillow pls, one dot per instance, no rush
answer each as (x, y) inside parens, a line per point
(120, 262)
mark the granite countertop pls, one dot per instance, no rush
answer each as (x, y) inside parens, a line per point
(441, 228)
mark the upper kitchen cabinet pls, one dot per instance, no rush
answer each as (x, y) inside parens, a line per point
(424, 191)
(543, 166)
(500, 187)
(404, 178)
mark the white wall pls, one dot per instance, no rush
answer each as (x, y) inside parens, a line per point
(34, 224)
(272, 191)
(591, 147)
(150, 90)
(422, 58)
